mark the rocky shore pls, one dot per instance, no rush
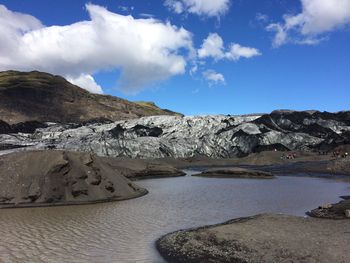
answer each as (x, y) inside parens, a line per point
(340, 210)
(258, 239)
(236, 173)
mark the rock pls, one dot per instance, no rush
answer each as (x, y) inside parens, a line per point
(236, 173)
(185, 137)
(22, 127)
(260, 239)
(36, 178)
(326, 206)
(335, 211)
(347, 213)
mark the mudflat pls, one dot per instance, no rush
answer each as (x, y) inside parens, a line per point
(274, 162)
(236, 172)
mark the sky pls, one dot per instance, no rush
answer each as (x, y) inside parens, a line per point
(196, 57)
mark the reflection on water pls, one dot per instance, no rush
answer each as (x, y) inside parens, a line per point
(126, 231)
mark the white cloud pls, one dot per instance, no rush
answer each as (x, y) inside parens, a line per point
(281, 35)
(175, 6)
(86, 82)
(126, 8)
(145, 50)
(146, 15)
(213, 77)
(262, 17)
(13, 24)
(237, 51)
(208, 8)
(213, 46)
(317, 17)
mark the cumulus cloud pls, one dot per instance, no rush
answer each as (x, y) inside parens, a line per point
(213, 46)
(145, 50)
(86, 81)
(13, 24)
(237, 51)
(317, 17)
(213, 77)
(208, 8)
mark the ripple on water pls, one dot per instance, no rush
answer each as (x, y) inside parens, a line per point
(126, 231)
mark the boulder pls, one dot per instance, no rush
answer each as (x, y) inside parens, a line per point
(332, 211)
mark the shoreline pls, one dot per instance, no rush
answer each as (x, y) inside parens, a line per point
(39, 205)
(259, 238)
(256, 166)
(270, 161)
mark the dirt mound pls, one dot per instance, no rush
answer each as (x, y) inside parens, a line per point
(59, 177)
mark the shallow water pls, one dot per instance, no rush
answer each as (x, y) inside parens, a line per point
(126, 231)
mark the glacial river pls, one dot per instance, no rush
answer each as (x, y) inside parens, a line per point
(126, 231)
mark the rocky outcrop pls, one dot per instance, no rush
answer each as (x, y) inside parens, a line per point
(235, 173)
(260, 239)
(42, 97)
(183, 137)
(22, 127)
(37, 178)
(332, 211)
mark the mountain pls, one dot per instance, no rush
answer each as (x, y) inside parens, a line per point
(175, 136)
(42, 97)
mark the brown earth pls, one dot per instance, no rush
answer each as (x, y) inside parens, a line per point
(40, 178)
(42, 97)
(271, 161)
(139, 169)
(235, 172)
(261, 239)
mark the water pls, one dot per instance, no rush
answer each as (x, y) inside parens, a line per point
(126, 231)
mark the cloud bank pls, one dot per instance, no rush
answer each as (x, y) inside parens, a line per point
(145, 50)
(317, 17)
(209, 8)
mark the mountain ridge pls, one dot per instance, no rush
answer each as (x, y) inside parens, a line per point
(43, 97)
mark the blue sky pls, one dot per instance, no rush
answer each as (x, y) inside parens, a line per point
(290, 54)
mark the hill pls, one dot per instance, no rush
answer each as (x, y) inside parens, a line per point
(38, 96)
